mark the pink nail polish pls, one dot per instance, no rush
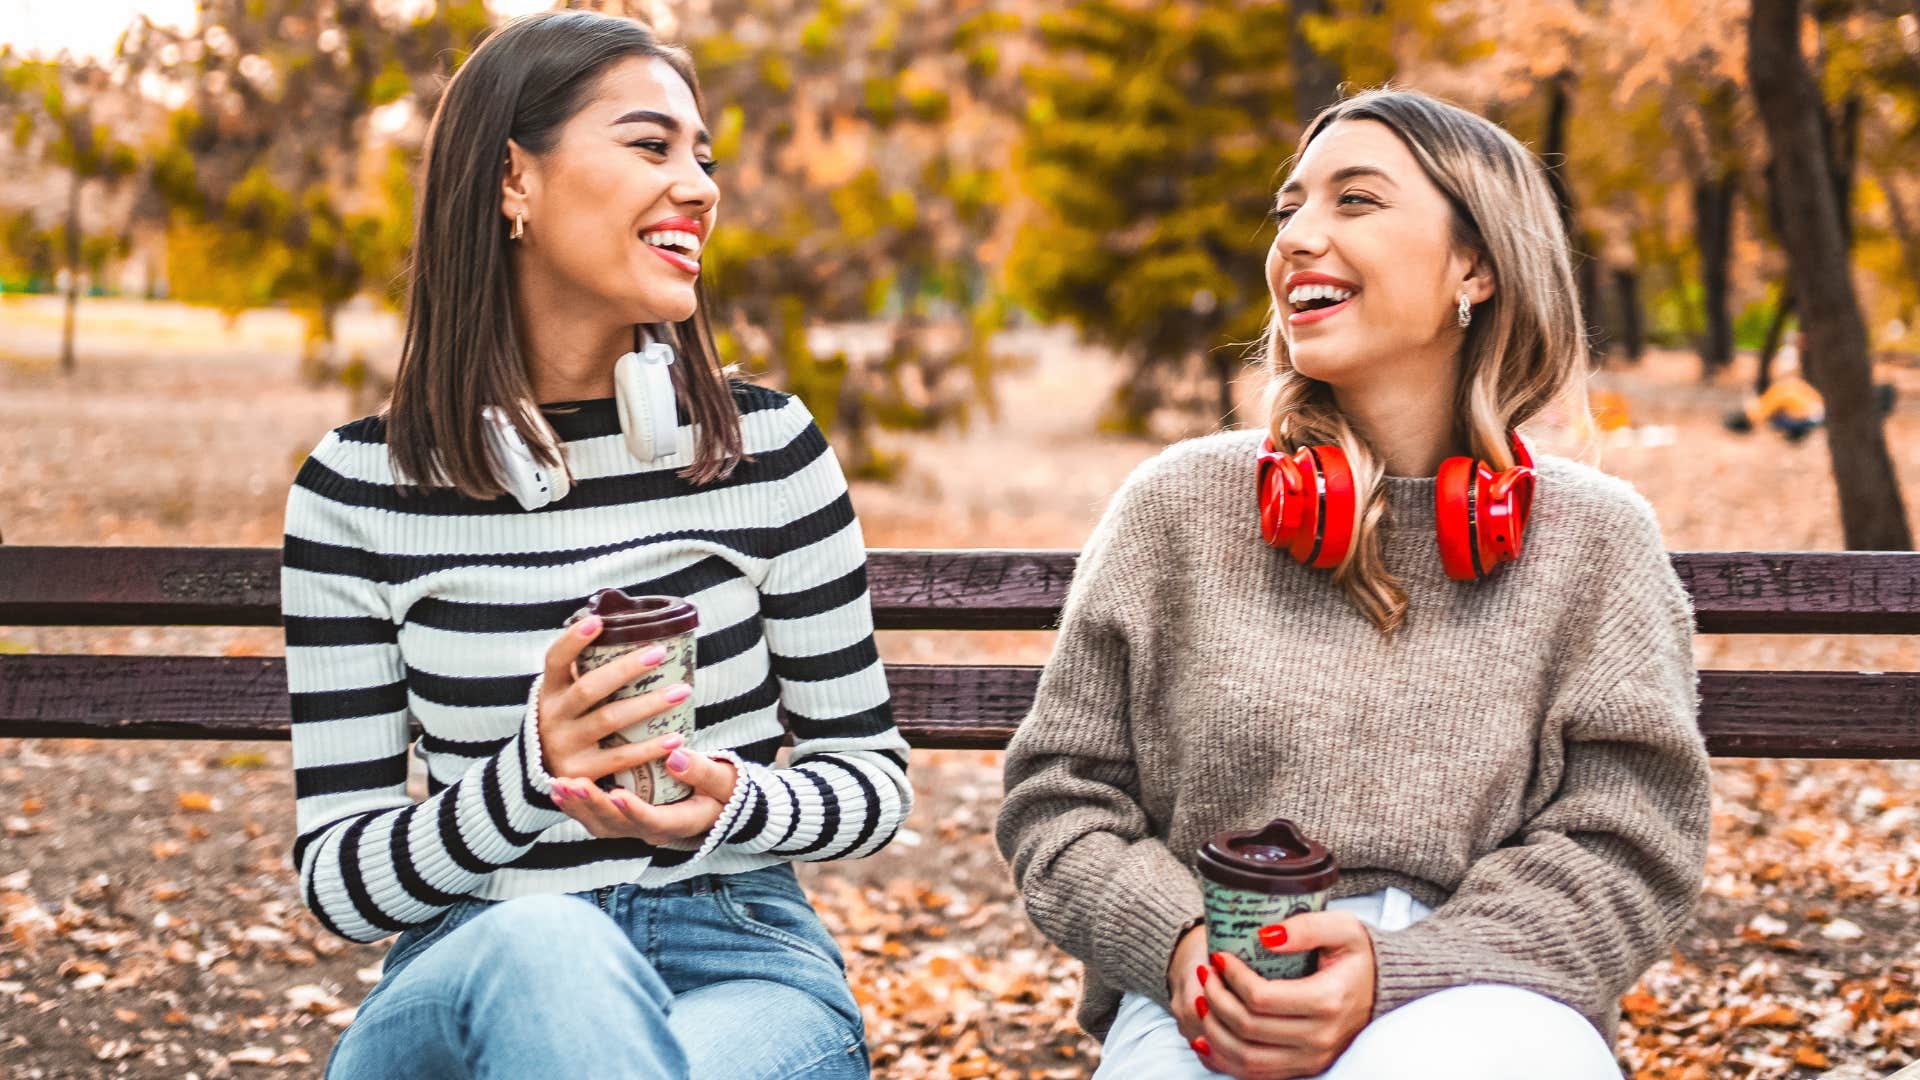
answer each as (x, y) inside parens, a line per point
(653, 656)
(588, 626)
(678, 761)
(674, 741)
(678, 693)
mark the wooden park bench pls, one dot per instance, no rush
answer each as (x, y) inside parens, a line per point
(1857, 714)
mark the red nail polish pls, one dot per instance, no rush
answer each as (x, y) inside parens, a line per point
(1200, 1047)
(1273, 936)
(1200, 1006)
(1202, 971)
(1219, 962)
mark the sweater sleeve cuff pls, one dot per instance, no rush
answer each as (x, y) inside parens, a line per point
(1153, 900)
(729, 819)
(530, 804)
(761, 812)
(1406, 970)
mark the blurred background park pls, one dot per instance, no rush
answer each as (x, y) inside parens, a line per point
(1005, 249)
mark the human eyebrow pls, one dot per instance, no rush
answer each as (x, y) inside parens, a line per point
(1340, 176)
(653, 116)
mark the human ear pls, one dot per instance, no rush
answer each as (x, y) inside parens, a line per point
(1479, 282)
(516, 182)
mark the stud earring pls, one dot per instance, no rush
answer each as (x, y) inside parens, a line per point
(520, 230)
(1465, 314)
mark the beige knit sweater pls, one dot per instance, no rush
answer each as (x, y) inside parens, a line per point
(1523, 756)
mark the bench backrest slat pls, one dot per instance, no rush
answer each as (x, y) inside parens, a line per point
(1743, 713)
(1741, 592)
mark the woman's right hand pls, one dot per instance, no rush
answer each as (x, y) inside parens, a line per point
(575, 714)
(1187, 975)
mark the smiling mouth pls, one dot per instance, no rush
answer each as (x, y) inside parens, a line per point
(1308, 298)
(679, 248)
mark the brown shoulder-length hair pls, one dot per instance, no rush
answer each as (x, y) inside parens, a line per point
(462, 350)
(1525, 347)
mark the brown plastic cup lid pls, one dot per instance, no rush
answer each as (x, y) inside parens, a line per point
(1276, 859)
(629, 620)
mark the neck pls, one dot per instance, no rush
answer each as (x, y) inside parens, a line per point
(569, 357)
(1408, 422)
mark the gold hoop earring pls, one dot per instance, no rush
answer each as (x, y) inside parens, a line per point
(1465, 314)
(519, 225)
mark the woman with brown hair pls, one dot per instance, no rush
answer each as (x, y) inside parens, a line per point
(560, 424)
(1504, 758)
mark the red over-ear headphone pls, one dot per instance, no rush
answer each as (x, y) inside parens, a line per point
(1307, 507)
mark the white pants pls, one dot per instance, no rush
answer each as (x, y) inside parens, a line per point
(1479, 1032)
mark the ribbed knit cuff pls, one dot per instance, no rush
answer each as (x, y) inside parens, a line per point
(534, 794)
(1150, 900)
(729, 819)
(762, 813)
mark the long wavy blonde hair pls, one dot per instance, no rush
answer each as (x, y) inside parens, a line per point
(1525, 347)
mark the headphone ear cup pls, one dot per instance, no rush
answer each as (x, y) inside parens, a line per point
(1453, 518)
(1339, 509)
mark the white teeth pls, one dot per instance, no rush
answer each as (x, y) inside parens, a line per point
(684, 242)
(1301, 294)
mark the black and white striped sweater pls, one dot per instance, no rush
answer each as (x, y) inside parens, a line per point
(438, 610)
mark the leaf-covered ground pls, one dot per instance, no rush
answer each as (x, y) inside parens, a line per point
(149, 922)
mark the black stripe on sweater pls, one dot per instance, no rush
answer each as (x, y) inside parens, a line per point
(314, 706)
(754, 543)
(410, 880)
(756, 821)
(623, 490)
(311, 631)
(866, 722)
(320, 912)
(496, 804)
(370, 912)
(870, 798)
(829, 816)
(856, 657)
(461, 617)
(469, 691)
(450, 837)
(569, 854)
(764, 696)
(818, 600)
(589, 418)
(431, 744)
(313, 780)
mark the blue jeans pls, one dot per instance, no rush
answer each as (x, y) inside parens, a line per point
(713, 977)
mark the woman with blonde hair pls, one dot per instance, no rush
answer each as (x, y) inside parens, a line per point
(1499, 747)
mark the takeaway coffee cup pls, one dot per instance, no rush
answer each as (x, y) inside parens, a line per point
(635, 622)
(1257, 878)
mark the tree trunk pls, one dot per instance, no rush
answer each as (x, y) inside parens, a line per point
(1713, 229)
(1902, 228)
(1872, 513)
(1316, 81)
(1554, 153)
(1770, 345)
(69, 323)
(1633, 314)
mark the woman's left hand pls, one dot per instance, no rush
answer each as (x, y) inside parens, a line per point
(620, 813)
(1278, 1029)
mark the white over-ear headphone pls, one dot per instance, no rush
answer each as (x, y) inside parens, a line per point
(649, 419)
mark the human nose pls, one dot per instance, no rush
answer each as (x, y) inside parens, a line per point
(1303, 235)
(693, 189)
